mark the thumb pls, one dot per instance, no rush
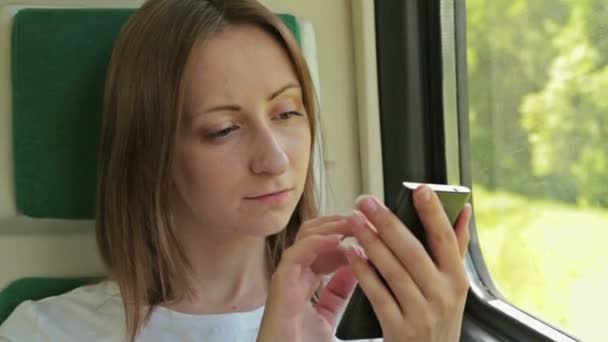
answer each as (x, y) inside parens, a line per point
(462, 229)
(335, 295)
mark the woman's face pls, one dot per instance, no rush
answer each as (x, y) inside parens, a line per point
(243, 149)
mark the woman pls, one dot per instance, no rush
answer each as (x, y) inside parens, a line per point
(206, 216)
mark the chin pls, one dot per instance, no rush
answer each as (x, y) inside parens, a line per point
(267, 226)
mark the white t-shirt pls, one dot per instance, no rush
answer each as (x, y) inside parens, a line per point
(95, 313)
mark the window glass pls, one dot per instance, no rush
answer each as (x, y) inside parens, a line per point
(538, 98)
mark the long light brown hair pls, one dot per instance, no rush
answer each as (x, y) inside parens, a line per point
(143, 106)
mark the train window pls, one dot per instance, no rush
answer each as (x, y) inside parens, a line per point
(537, 75)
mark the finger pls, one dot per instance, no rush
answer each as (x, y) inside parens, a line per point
(307, 225)
(404, 289)
(402, 243)
(328, 228)
(461, 228)
(335, 295)
(305, 251)
(385, 307)
(321, 220)
(440, 235)
(329, 262)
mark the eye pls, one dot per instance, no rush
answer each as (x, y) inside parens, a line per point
(288, 115)
(224, 132)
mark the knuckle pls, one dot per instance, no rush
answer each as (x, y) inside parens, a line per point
(396, 276)
(368, 238)
(429, 324)
(409, 332)
(381, 303)
(418, 256)
(461, 285)
(307, 223)
(424, 325)
(394, 328)
(387, 221)
(302, 230)
(442, 304)
(442, 236)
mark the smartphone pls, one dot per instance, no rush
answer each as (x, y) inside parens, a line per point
(359, 320)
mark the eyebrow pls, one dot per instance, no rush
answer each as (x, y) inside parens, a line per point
(282, 90)
(235, 108)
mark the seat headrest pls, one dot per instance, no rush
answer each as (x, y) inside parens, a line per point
(58, 65)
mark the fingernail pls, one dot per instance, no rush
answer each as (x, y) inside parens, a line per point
(351, 254)
(359, 216)
(354, 253)
(349, 242)
(367, 204)
(356, 220)
(423, 193)
(364, 223)
(360, 252)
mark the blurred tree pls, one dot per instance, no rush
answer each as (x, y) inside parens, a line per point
(509, 48)
(567, 119)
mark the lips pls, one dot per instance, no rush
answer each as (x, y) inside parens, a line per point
(269, 194)
(272, 199)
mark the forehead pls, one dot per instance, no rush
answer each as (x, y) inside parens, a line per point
(243, 59)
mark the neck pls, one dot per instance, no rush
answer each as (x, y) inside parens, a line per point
(230, 271)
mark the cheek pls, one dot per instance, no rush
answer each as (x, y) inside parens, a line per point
(201, 176)
(299, 149)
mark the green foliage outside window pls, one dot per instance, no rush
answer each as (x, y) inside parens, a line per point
(538, 100)
(538, 77)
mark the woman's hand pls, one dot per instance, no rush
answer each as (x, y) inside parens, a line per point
(425, 299)
(289, 314)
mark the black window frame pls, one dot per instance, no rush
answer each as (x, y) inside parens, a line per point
(409, 56)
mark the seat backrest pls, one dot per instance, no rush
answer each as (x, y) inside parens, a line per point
(50, 133)
(35, 288)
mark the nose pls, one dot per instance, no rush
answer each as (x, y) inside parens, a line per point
(269, 155)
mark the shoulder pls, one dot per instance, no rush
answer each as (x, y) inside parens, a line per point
(85, 312)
